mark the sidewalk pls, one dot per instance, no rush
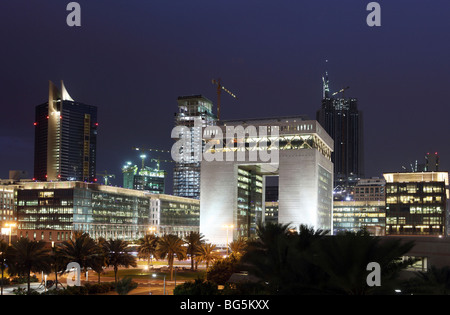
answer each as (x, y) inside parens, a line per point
(8, 289)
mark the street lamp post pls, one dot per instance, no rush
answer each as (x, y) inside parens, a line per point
(164, 284)
(228, 227)
(154, 276)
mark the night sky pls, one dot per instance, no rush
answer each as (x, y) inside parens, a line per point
(133, 59)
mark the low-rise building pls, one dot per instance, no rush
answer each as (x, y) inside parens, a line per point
(51, 211)
(416, 203)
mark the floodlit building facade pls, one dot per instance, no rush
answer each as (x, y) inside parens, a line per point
(232, 191)
(416, 203)
(65, 138)
(7, 212)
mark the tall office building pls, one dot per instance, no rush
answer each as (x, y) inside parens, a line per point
(344, 123)
(65, 138)
(186, 177)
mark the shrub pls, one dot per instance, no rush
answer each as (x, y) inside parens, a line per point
(5, 281)
(125, 285)
(197, 287)
(21, 279)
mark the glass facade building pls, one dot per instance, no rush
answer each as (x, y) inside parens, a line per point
(186, 176)
(148, 179)
(354, 216)
(271, 204)
(249, 201)
(52, 211)
(416, 203)
(65, 139)
(64, 207)
(175, 215)
(344, 123)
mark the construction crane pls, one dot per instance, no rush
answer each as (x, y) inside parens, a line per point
(142, 149)
(106, 176)
(341, 91)
(158, 162)
(220, 87)
(143, 156)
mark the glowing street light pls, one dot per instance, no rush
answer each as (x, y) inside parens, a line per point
(154, 276)
(10, 225)
(228, 227)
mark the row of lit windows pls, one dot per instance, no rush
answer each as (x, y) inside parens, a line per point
(342, 220)
(425, 220)
(60, 236)
(44, 210)
(359, 214)
(414, 188)
(45, 219)
(425, 210)
(413, 199)
(357, 210)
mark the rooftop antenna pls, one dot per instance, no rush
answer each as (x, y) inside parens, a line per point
(326, 83)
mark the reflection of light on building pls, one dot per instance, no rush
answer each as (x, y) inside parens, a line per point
(51, 211)
(65, 138)
(304, 171)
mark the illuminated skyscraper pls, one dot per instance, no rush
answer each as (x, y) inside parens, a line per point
(344, 123)
(65, 138)
(186, 177)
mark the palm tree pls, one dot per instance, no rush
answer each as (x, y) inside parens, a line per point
(99, 260)
(28, 256)
(280, 258)
(207, 253)
(193, 240)
(117, 254)
(171, 246)
(4, 247)
(345, 258)
(238, 247)
(147, 247)
(81, 248)
(433, 281)
(58, 262)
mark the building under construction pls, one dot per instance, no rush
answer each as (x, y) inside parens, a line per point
(146, 178)
(186, 175)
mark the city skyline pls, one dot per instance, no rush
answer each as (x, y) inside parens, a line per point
(272, 56)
